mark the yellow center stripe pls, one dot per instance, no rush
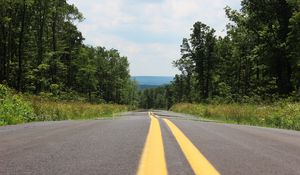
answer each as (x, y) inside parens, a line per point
(197, 161)
(153, 158)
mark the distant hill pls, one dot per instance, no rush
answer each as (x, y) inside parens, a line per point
(142, 87)
(146, 82)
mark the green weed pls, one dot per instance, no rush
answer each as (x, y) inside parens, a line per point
(47, 110)
(280, 115)
(13, 108)
(16, 108)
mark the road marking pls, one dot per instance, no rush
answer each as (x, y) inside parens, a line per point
(153, 160)
(197, 161)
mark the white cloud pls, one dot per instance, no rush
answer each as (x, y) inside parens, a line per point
(109, 22)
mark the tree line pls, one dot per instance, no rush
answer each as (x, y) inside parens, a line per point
(258, 60)
(42, 52)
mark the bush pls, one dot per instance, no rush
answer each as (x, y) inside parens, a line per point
(13, 108)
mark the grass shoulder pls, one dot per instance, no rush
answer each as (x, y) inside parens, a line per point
(16, 108)
(285, 115)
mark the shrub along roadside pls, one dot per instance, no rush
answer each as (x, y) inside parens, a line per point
(13, 108)
(16, 108)
(281, 115)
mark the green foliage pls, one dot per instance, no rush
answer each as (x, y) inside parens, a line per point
(257, 62)
(154, 98)
(41, 52)
(281, 115)
(13, 108)
(49, 110)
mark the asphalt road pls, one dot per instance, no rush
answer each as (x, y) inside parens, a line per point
(115, 146)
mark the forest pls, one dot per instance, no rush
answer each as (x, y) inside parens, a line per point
(48, 73)
(42, 53)
(258, 61)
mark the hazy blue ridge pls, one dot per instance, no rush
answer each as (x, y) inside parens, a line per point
(146, 82)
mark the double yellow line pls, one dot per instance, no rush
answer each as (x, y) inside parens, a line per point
(153, 160)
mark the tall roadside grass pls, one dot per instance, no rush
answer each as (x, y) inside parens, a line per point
(16, 108)
(47, 110)
(280, 115)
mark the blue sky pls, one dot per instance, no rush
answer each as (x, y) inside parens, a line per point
(148, 32)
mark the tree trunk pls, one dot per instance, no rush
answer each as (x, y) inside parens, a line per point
(54, 47)
(40, 41)
(284, 71)
(3, 55)
(21, 52)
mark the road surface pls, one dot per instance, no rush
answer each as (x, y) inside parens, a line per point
(142, 143)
